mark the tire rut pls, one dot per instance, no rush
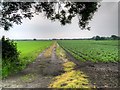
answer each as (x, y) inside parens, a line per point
(38, 74)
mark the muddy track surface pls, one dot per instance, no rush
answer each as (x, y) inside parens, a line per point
(101, 75)
(41, 72)
(38, 74)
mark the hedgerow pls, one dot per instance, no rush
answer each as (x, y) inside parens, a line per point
(10, 57)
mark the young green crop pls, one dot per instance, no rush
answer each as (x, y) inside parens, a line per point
(29, 50)
(103, 50)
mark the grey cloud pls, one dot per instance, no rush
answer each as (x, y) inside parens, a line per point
(104, 23)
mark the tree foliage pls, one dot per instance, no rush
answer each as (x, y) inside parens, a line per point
(112, 37)
(9, 51)
(64, 12)
(10, 57)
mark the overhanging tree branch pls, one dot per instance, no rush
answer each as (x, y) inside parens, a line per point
(14, 12)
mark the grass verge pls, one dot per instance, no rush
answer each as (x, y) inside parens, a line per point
(29, 50)
(48, 52)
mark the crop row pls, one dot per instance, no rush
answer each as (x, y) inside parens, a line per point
(103, 51)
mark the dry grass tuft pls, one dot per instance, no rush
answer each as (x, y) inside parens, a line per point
(48, 52)
(68, 66)
(71, 78)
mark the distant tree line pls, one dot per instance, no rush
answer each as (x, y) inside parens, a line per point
(112, 37)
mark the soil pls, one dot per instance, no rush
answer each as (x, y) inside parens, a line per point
(101, 75)
(41, 72)
(38, 74)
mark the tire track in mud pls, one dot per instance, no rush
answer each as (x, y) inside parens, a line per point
(38, 74)
(101, 75)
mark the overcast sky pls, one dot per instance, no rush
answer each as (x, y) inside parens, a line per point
(104, 23)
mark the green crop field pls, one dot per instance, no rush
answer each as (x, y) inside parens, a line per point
(29, 50)
(101, 50)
